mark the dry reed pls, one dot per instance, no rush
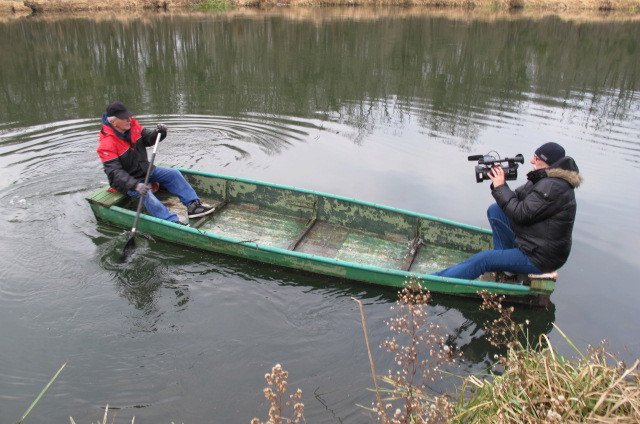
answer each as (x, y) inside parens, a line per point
(276, 394)
(419, 351)
(537, 385)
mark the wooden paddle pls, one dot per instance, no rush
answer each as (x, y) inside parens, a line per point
(131, 243)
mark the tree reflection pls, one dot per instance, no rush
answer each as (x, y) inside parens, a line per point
(446, 72)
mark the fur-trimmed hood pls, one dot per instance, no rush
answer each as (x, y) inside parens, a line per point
(567, 169)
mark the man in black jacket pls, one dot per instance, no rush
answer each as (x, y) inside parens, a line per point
(532, 225)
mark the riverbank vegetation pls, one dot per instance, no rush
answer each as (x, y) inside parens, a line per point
(533, 383)
(530, 381)
(213, 5)
(25, 7)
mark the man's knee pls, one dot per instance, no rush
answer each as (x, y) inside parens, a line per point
(166, 174)
(166, 170)
(493, 210)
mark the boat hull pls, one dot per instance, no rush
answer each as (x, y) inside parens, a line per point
(323, 234)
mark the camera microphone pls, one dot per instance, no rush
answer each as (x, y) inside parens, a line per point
(475, 157)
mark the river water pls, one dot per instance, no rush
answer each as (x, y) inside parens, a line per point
(383, 107)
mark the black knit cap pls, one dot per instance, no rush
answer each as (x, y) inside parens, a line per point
(550, 152)
(118, 110)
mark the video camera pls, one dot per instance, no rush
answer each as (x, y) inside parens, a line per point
(486, 162)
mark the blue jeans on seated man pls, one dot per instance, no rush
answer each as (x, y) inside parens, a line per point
(173, 181)
(505, 256)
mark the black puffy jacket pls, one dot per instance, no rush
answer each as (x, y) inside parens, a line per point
(542, 212)
(124, 156)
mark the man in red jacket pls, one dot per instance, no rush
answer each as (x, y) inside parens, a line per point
(122, 148)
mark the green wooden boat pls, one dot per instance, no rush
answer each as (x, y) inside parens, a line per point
(322, 233)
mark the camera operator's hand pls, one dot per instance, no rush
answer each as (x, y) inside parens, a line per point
(497, 176)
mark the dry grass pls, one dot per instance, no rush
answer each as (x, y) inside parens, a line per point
(320, 15)
(52, 6)
(627, 7)
(10, 7)
(537, 385)
(70, 6)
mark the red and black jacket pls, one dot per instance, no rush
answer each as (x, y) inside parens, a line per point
(124, 155)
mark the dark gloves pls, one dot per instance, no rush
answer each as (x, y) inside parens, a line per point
(142, 188)
(162, 129)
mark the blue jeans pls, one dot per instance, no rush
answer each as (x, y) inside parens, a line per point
(503, 235)
(173, 181)
(505, 256)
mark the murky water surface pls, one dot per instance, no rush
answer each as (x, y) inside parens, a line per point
(383, 109)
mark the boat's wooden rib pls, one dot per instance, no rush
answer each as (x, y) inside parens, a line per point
(302, 235)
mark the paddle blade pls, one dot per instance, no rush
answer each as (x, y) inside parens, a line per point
(128, 249)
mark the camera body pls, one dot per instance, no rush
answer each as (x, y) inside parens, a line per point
(486, 162)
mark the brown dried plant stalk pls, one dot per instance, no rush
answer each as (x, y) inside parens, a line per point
(502, 331)
(276, 394)
(420, 351)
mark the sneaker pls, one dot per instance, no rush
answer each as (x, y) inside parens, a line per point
(197, 209)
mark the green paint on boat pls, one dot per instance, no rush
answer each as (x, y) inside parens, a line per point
(323, 234)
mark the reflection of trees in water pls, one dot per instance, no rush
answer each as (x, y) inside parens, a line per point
(445, 72)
